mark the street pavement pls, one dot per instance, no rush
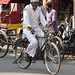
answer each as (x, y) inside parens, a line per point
(38, 68)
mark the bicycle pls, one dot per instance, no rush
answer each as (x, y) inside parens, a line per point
(3, 44)
(51, 55)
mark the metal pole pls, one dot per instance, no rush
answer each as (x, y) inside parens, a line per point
(20, 12)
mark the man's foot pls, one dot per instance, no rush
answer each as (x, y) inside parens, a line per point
(33, 60)
(26, 56)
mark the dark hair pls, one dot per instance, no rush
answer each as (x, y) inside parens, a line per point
(49, 4)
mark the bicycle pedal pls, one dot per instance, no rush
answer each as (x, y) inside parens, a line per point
(33, 59)
(11, 51)
(15, 62)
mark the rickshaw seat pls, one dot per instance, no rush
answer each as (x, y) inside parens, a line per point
(13, 19)
(14, 26)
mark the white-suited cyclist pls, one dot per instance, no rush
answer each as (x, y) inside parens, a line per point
(31, 14)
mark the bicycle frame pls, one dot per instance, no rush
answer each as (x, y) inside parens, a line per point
(44, 44)
(51, 53)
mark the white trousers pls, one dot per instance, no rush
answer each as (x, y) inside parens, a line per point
(31, 49)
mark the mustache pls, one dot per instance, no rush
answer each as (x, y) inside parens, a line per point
(35, 6)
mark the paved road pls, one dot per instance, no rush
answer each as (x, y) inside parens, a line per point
(38, 68)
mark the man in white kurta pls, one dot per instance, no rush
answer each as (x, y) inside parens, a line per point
(31, 14)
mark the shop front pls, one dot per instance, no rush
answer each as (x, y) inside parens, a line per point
(65, 9)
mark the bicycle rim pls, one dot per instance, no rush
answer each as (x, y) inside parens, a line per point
(3, 46)
(60, 46)
(52, 59)
(21, 46)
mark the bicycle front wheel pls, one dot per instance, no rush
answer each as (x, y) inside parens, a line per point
(20, 48)
(52, 58)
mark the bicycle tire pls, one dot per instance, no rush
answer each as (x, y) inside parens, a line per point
(51, 59)
(60, 46)
(4, 46)
(21, 46)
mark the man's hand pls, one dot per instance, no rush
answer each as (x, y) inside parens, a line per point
(31, 29)
(50, 24)
(47, 26)
(39, 23)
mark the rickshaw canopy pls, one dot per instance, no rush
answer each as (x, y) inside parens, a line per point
(4, 1)
(14, 1)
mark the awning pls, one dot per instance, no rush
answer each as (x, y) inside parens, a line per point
(20, 1)
(4, 1)
(15, 1)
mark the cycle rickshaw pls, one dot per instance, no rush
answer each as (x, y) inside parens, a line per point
(8, 30)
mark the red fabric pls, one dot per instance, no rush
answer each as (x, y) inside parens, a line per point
(4, 20)
(15, 17)
(4, 1)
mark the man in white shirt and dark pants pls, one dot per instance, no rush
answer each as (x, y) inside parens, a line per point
(31, 14)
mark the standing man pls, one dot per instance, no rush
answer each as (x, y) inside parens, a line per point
(31, 14)
(51, 17)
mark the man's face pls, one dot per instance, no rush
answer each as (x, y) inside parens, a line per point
(46, 7)
(35, 4)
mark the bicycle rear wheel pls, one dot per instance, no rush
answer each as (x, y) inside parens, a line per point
(21, 46)
(3, 46)
(52, 58)
(60, 46)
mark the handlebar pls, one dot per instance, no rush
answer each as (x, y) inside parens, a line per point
(5, 16)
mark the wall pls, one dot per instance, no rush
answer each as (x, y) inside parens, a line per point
(56, 5)
(74, 7)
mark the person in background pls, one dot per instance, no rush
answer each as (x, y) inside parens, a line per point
(31, 14)
(51, 17)
(43, 8)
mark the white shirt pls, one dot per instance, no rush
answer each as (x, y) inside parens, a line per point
(26, 18)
